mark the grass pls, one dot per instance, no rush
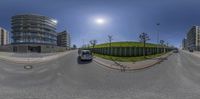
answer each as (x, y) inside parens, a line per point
(126, 44)
(128, 59)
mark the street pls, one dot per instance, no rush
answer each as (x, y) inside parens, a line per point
(178, 77)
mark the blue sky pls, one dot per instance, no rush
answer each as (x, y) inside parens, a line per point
(125, 19)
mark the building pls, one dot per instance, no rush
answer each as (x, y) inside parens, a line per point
(4, 37)
(64, 39)
(193, 38)
(184, 44)
(33, 33)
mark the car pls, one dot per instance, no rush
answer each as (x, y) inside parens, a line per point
(175, 50)
(85, 55)
(190, 50)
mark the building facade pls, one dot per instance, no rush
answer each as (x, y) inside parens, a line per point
(4, 37)
(64, 40)
(184, 44)
(33, 33)
(193, 38)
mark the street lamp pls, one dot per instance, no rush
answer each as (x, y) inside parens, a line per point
(157, 24)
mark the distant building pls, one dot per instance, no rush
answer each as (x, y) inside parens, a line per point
(64, 39)
(33, 33)
(4, 37)
(184, 44)
(193, 38)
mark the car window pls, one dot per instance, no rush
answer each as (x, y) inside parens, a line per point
(86, 52)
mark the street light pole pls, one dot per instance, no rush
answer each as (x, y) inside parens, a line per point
(157, 24)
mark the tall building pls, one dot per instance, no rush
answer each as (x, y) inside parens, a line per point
(4, 37)
(184, 44)
(64, 39)
(33, 33)
(193, 38)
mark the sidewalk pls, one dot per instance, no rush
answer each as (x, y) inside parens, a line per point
(195, 53)
(123, 66)
(31, 57)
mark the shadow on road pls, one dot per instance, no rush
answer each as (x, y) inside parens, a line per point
(79, 61)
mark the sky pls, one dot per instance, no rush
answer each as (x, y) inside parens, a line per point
(124, 19)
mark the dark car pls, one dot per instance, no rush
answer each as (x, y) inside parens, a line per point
(190, 50)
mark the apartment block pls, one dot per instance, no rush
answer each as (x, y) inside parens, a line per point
(4, 37)
(193, 38)
(64, 39)
(33, 33)
(184, 44)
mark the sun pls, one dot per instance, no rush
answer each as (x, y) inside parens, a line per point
(100, 21)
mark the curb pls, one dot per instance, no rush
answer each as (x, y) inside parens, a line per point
(131, 69)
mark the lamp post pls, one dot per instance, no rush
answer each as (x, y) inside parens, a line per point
(157, 24)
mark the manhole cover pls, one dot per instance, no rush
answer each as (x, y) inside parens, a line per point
(28, 67)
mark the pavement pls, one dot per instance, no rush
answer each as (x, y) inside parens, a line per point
(195, 53)
(69, 78)
(124, 66)
(31, 57)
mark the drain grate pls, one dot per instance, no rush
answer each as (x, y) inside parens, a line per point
(28, 67)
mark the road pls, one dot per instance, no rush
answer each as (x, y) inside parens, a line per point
(178, 77)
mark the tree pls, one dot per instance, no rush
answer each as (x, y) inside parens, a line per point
(167, 44)
(93, 43)
(144, 38)
(87, 45)
(162, 44)
(74, 46)
(110, 38)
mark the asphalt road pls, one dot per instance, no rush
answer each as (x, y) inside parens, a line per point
(178, 77)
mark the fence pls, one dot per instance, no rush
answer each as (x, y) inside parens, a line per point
(129, 51)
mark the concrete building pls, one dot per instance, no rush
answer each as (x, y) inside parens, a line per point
(34, 33)
(64, 39)
(193, 38)
(4, 37)
(184, 44)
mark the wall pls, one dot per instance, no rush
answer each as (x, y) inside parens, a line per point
(48, 49)
(129, 51)
(6, 48)
(24, 48)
